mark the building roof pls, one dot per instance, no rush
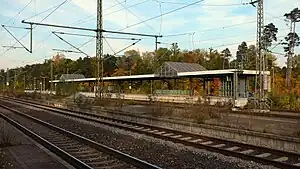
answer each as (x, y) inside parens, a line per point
(172, 69)
(185, 67)
(207, 73)
(71, 76)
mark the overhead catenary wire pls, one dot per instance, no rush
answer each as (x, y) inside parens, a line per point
(49, 9)
(80, 46)
(135, 16)
(111, 48)
(70, 44)
(212, 29)
(224, 37)
(166, 13)
(11, 19)
(115, 11)
(37, 25)
(87, 42)
(46, 38)
(127, 47)
(87, 18)
(216, 5)
(130, 6)
(237, 43)
(182, 4)
(161, 17)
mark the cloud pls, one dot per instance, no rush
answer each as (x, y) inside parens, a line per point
(120, 18)
(199, 18)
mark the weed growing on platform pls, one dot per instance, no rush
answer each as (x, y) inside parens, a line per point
(5, 138)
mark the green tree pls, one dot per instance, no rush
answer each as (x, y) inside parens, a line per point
(269, 35)
(226, 54)
(175, 57)
(241, 55)
(110, 64)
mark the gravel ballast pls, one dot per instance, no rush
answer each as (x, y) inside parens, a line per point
(162, 153)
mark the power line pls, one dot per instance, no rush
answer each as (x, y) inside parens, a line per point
(224, 37)
(166, 13)
(49, 9)
(109, 45)
(136, 16)
(53, 11)
(139, 3)
(237, 43)
(41, 43)
(212, 29)
(16, 16)
(133, 5)
(36, 25)
(80, 46)
(216, 5)
(87, 42)
(161, 18)
(83, 20)
(19, 12)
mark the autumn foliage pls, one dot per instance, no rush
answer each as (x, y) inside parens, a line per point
(215, 86)
(283, 97)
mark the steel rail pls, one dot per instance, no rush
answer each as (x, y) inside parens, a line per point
(138, 127)
(61, 153)
(107, 150)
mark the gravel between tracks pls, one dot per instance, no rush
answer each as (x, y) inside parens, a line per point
(162, 153)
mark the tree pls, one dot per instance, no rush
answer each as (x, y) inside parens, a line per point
(110, 64)
(251, 57)
(162, 55)
(175, 52)
(292, 40)
(215, 60)
(296, 65)
(289, 42)
(270, 61)
(241, 55)
(226, 54)
(269, 35)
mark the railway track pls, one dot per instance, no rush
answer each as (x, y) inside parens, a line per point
(79, 151)
(258, 154)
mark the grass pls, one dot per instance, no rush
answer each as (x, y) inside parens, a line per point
(131, 102)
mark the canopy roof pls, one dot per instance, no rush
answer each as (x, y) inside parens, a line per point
(71, 76)
(171, 69)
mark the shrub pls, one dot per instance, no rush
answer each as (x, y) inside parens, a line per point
(131, 102)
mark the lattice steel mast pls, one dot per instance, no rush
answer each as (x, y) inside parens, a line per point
(99, 48)
(260, 59)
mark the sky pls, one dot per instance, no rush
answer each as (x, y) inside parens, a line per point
(205, 24)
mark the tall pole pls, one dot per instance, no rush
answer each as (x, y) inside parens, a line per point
(260, 59)
(51, 67)
(290, 54)
(99, 48)
(7, 78)
(156, 43)
(34, 84)
(24, 82)
(15, 80)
